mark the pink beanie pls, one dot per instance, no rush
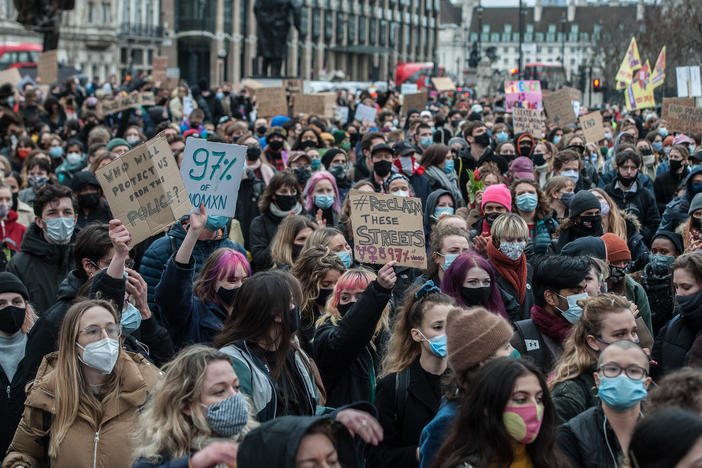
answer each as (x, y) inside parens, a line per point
(498, 193)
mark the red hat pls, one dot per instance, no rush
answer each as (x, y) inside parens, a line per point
(498, 193)
(616, 248)
(523, 168)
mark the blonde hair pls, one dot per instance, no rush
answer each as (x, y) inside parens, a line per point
(290, 227)
(72, 391)
(556, 183)
(615, 218)
(163, 425)
(508, 225)
(578, 356)
(311, 267)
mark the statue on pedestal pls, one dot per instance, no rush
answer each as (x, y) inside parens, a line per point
(43, 16)
(273, 19)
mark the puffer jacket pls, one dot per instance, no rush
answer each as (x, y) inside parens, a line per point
(671, 349)
(588, 441)
(574, 396)
(105, 445)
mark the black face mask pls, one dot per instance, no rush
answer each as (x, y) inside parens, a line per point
(294, 319)
(89, 201)
(286, 202)
(227, 296)
(276, 145)
(454, 123)
(296, 249)
(591, 223)
(538, 159)
(490, 218)
(483, 139)
(509, 157)
(324, 294)
(354, 137)
(616, 274)
(646, 152)
(344, 308)
(382, 168)
(261, 130)
(307, 145)
(476, 296)
(696, 223)
(11, 319)
(626, 181)
(253, 153)
(675, 165)
(303, 175)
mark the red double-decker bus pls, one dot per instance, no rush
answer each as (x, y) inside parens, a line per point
(19, 55)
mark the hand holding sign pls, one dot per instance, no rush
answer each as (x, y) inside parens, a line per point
(198, 220)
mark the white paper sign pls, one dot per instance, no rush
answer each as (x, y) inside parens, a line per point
(187, 105)
(341, 113)
(365, 113)
(212, 174)
(689, 84)
(408, 88)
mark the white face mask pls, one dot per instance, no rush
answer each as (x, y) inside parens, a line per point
(100, 355)
(512, 250)
(401, 193)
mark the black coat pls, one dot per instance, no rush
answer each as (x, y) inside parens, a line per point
(671, 350)
(640, 204)
(250, 192)
(11, 403)
(516, 310)
(586, 444)
(262, 231)
(666, 186)
(401, 437)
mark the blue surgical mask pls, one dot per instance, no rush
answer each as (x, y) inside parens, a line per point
(448, 168)
(60, 230)
(316, 164)
(440, 210)
(502, 137)
(131, 319)
(220, 95)
(692, 149)
(56, 152)
(345, 257)
(556, 139)
(621, 393)
(448, 260)
(527, 202)
(663, 132)
(323, 201)
(574, 311)
(437, 344)
(608, 136)
(426, 142)
(657, 146)
(567, 197)
(571, 174)
(74, 159)
(215, 223)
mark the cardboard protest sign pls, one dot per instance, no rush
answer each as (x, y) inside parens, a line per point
(525, 94)
(47, 67)
(592, 127)
(528, 120)
(341, 113)
(443, 83)
(690, 102)
(365, 113)
(271, 102)
(415, 101)
(294, 85)
(559, 107)
(145, 99)
(387, 228)
(212, 174)
(684, 119)
(11, 75)
(160, 66)
(144, 189)
(252, 85)
(322, 104)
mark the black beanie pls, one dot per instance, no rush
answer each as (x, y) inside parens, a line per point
(587, 246)
(329, 156)
(11, 283)
(582, 201)
(673, 237)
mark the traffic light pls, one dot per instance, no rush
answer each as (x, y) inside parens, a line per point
(514, 71)
(596, 84)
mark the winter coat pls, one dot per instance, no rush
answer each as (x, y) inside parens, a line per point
(104, 445)
(41, 267)
(516, 310)
(435, 433)
(636, 294)
(250, 192)
(102, 214)
(640, 204)
(671, 350)
(574, 396)
(659, 290)
(401, 432)
(347, 355)
(12, 232)
(11, 403)
(189, 319)
(588, 441)
(676, 211)
(610, 177)
(263, 230)
(666, 187)
(635, 241)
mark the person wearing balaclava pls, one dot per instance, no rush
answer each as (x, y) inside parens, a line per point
(92, 207)
(380, 160)
(584, 219)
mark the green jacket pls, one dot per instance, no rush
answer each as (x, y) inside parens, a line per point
(574, 396)
(636, 294)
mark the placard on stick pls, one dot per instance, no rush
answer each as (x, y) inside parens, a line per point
(144, 189)
(690, 102)
(387, 228)
(110, 106)
(684, 119)
(528, 120)
(559, 106)
(443, 83)
(322, 104)
(365, 113)
(592, 127)
(271, 102)
(47, 66)
(415, 101)
(212, 174)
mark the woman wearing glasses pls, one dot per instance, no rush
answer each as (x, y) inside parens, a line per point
(82, 405)
(600, 436)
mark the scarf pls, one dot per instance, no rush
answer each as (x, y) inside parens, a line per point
(556, 328)
(514, 271)
(297, 209)
(447, 181)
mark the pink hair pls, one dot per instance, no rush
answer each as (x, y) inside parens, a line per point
(316, 177)
(351, 280)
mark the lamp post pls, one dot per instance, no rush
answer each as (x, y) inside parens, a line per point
(563, 34)
(479, 10)
(521, 22)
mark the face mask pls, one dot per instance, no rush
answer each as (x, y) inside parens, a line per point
(89, 201)
(556, 139)
(523, 423)
(59, 230)
(23, 152)
(215, 223)
(616, 274)
(476, 296)
(261, 130)
(4, 210)
(307, 144)
(502, 137)
(567, 197)
(401, 193)
(608, 136)
(515, 354)
(448, 260)
(323, 201)
(666, 150)
(344, 308)
(131, 319)
(315, 164)
(253, 153)
(663, 132)
(133, 140)
(538, 159)
(490, 218)
(448, 168)
(688, 304)
(574, 311)
(37, 182)
(74, 159)
(696, 187)
(11, 319)
(483, 139)
(220, 95)
(604, 208)
(56, 152)
(440, 210)
(436, 344)
(426, 142)
(572, 175)
(657, 146)
(512, 250)
(345, 257)
(338, 171)
(302, 174)
(382, 168)
(227, 296)
(100, 355)
(626, 181)
(294, 319)
(591, 223)
(527, 202)
(296, 249)
(345, 145)
(286, 202)
(621, 393)
(660, 264)
(675, 165)
(324, 294)
(454, 123)
(228, 417)
(276, 145)
(692, 149)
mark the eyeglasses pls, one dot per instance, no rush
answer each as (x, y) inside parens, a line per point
(633, 372)
(94, 333)
(129, 263)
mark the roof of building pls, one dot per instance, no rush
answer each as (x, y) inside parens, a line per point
(449, 13)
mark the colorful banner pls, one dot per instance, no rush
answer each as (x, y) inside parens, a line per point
(658, 74)
(638, 97)
(524, 94)
(630, 63)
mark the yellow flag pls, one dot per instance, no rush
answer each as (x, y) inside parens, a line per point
(658, 74)
(639, 97)
(630, 63)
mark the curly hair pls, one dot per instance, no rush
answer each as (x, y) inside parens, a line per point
(543, 210)
(679, 389)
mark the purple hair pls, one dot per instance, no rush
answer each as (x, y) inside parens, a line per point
(316, 177)
(221, 262)
(455, 276)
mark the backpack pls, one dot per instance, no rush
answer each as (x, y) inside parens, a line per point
(533, 343)
(402, 380)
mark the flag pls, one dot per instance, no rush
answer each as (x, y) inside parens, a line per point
(658, 74)
(638, 96)
(630, 63)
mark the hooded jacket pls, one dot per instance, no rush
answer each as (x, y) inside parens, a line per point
(640, 204)
(671, 349)
(430, 206)
(676, 211)
(105, 445)
(12, 231)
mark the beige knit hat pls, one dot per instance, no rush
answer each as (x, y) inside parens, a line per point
(473, 335)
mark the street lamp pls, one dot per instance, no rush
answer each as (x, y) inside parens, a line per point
(480, 26)
(563, 34)
(519, 66)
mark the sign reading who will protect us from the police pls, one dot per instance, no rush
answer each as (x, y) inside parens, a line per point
(212, 174)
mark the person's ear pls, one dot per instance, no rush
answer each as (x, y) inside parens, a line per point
(551, 298)
(87, 266)
(416, 336)
(597, 379)
(38, 222)
(592, 343)
(647, 383)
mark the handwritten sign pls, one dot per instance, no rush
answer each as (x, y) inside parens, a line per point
(684, 119)
(11, 75)
(528, 120)
(212, 174)
(408, 88)
(144, 189)
(365, 113)
(592, 127)
(689, 84)
(47, 67)
(341, 113)
(294, 85)
(415, 101)
(559, 107)
(321, 104)
(525, 94)
(690, 102)
(159, 71)
(443, 83)
(387, 228)
(271, 102)
(145, 99)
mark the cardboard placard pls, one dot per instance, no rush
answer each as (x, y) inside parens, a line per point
(11, 75)
(294, 85)
(684, 119)
(47, 67)
(251, 85)
(271, 102)
(592, 127)
(365, 113)
(525, 94)
(690, 102)
(159, 68)
(559, 106)
(341, 113)
(528, 120)
(212, 174)
(145, 99)
(387, 228)
(443, 83)
(321, 104)
(144, 189)
(415, 101)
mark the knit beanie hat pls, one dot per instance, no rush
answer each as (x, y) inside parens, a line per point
(328, 156)
(498, 193)
(586, 246)
(582, 201)
(695, 204)
(673, 237)
(11, 283)
(473, 335)
(115, 142)
(339, 136)
(616, 248)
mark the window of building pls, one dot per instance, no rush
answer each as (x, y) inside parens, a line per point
(550, 50)
(123, 55)
(339, 27)
(505, 37)
(137, 57)
(495, 37)
(394, 27)
(473, 37)
(304, 21)
(486, 28)
(539, 37)
(373, 32)
(316, 23)
(106, 16)
(552, 28)
(383, 33)
(228, 12)
(91, 12)
(362, 26)
(198, 15)
(351, 39)
(150, 57)
(508, 28)
(328, 26)
(529, 28)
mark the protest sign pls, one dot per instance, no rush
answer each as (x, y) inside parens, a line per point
(144, 189)
(443, 83)
(341, 113)
(690, 102)
(688, 81)
(294, 85)
(321, 104)
(684, 119)
(212, 174)
(528, 120)
(271, 102)
(415, 101)
(47, 67)
(559, 107)
(11, 75)
(365, 113)
(525, 94)
(592, 127)
(158, 72)
(387, 228)
(145, 99)
(408, 88)
(251, 85)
